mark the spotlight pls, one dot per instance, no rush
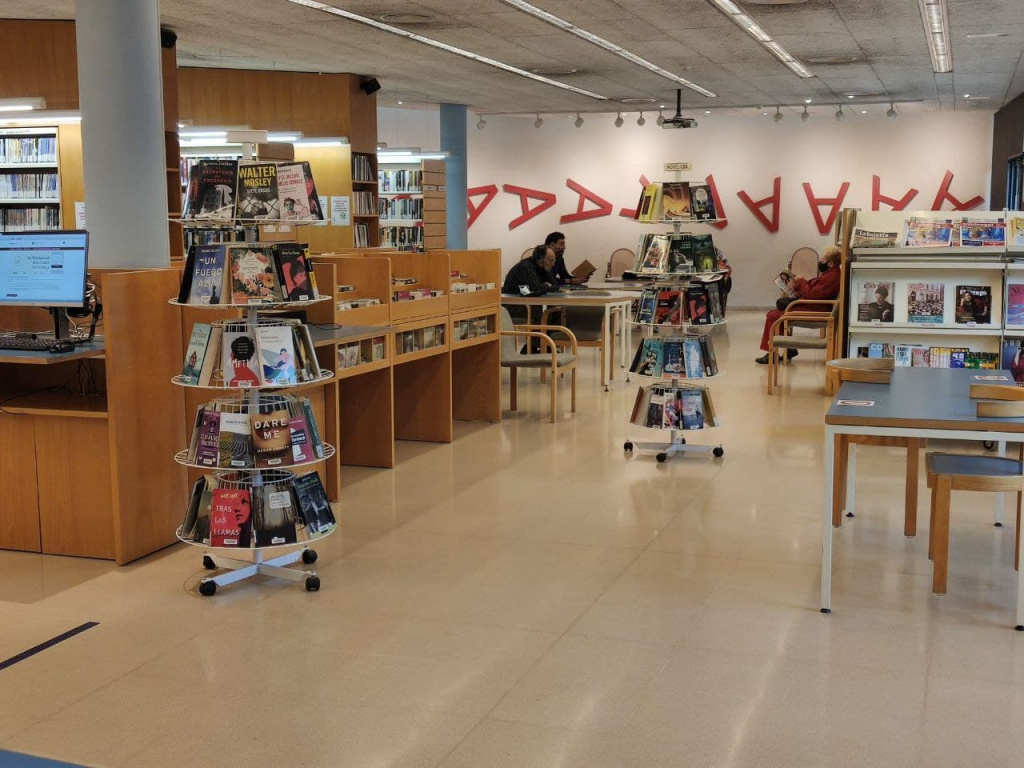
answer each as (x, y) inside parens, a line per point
(640, 120)
(538, 122)
(892, 114)
(661, 118)
(579, 121)
(618, 120)
(840, 115)
(481, 123)
(777, 117)
(805, 115)
(808, 101)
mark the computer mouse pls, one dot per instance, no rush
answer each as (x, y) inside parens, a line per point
(61, 346)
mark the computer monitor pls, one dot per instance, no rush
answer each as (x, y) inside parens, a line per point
(43, 269)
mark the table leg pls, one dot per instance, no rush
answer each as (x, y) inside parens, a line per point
(940, 565)
(605, 344)
(627, 337)
(851, 480)
(826, 522)
(1001, 452)
(1019, 621)
(910, 502)
(839, 478)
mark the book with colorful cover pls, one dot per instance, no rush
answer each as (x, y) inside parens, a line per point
(702, 202)
(314, 506)
(920, 357)
(256, 195)
(293, 272)
(671, 411)
(902, 355)
(252, 274)
(195, 354)
(231, 518)
(694, 360)
(649, 363)
(240, 361)
(697, 305)
(648, 303)
(273, 512)
(680, 252)
(291, 189)
(316, 209)
(705, 258)
(235, 440)
(926, 303)
(271, 434)
(656, 257)
(208, 275)
(208, 445)
(645, 209)
(276, 354)
(669, 308)
(974, 304)
(675, 200)
(692, 408)
(214, 195)
(672, 361)
(1015, 304)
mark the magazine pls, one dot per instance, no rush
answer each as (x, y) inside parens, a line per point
(875, 302)
(925, 303)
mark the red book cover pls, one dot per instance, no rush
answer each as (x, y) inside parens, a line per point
(230, 518)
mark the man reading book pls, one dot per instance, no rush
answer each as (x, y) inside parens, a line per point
(824, 286)
(556, 242)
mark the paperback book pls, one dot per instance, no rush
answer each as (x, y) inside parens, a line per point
(252, 274)
(257, 194)
(293, 272)
(680, 253)
(208, 275)
(314, 507)
(675, 200)
(705, 258)
(195, 354)
(208, 445)
(271, 435)
(235, 441)
(875, 302)
(273, 516)
(291, 189)
(239, 359)
(702, 202)
(276, 354)
(231, 518)
(211, 190)
(656, 257)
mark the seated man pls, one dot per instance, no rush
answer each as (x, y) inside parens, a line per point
(556, 241)
(824, 286)
(531, 276)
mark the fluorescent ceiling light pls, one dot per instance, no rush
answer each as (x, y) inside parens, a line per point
(757, 32)
(318, 6)
(43, 118)
(203, 134)
(395, 160)
(936, 30)
(331, 141)
(21, 105)
(572, 29)
(285, 137)
(210, 142)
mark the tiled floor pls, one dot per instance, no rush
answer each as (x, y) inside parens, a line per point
(531, 596)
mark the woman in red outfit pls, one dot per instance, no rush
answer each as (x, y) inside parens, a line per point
(824, 286)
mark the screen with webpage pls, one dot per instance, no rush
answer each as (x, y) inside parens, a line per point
(43, 269)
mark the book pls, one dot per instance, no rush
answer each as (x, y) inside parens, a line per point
(256, 195)
(195, 354)
(702, 203)
(925, 303)
(314, 507)
(1015, 304)
(316, 209)
(672, 360)
(669, 308)
(781, 282)
(645, 209)
(239, 357)
(974, 304)
(675, 200)
(271, 435)
(864, 238)
(188, 525)
(212, 360)
(876, 349)
(1012, 358)
(314, 430)
(928, 233)
(235, 441)
(302, 448)
(673, 405)
(293, 272)
(193, 443)
(201, 531)
(680, 253)
(273, 512)
(214, 193)
(646, 306)
(656, 256)
(656, 409)
(639, 405)
(291, 189)
(231, 518)
(715, 305)
(584, 269)
(902, 356)
(207, 282)
(697, 305)
(650, 359)
(875, 305)
(252, 274)
(707, 349)
(694, 360)
(1015, 235)
(276, 354)
(982, 233)
(185, 287)
(208, 446)
(692, 411)
(705, 258)
(920, 357)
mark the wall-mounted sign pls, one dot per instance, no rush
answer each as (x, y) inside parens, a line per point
(687, 166)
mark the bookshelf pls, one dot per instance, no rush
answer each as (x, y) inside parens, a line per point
(366, 231)
(412, 209)
(30, 193)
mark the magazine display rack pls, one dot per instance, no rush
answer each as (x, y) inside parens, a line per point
(669, 402)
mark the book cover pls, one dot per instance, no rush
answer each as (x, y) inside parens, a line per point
(252, 274)
(195, 354)
(656, 256)
(231, 518)
(669, 308)
(239, 357)
(974, 304)
(208, 446)
(671, 411)
(694, 361)
(273, 512)
(188, 525)
(637, 212)
(876, 302)
(705, 258)
(215, 189)
(680, 253)
(641, 251)
(702, 203)
(647, 304)
(673, 363)
(864, 238)
(876, 350)
(650, 359)
(707, 348)
(715, 309)
(271, 435)
(639, 405)
(208, 275)
(1012, 358)
(256, 195)
(982, 233)
(276, 354)
(291, 189)
(646, 210)
(958, 358)
(212, 360)
(201, 532)
(656, 410)
(302, 448)
(293, 272)
(1015, 304)
(928, 233)
(902, 356)
(185, 287)
(235, 440)
(316, 209)
(675, 200)
(314, 429)
(692, 409)
(314, 507)
(925, 303)
(697, 305)
(920, 357)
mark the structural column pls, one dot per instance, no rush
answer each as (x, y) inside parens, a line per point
(453, 141)
(121, 100)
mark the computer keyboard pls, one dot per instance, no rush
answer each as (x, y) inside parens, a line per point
(26, 343)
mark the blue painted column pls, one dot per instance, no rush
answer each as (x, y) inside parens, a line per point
(453, 141)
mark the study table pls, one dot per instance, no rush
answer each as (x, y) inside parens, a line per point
(611, 301)
(919, 402)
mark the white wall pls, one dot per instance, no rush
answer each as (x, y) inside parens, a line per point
(743, 153)
(409, 127)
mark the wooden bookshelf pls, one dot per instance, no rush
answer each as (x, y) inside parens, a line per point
(429, 229)
(430, 271)
(476, 358)
(371, 277)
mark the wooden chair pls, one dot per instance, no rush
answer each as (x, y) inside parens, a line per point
(803, 313)
(804, 263)
(621, 260)
(526, 253)
(948, 472)
(876, 371)
(551, 360)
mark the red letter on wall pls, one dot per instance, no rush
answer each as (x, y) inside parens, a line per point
(877, 197)
(524, 193)
(630, 213)
(755, 206)
(825, 226)
(604, 208)
(489, 192)
(943, 195)
(719, 208)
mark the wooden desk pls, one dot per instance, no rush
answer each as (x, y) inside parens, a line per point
(920, 402)
(612, 301)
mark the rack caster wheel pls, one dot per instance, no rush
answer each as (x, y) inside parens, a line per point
(312, 583)
(682, 441)
(208, 563)
(661, 457)
(718, 452)
(627, 446)
(309, 556)
(990, 445)
(208, 588)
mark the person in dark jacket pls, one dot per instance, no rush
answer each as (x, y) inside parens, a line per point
(531, 276)
(562, 275)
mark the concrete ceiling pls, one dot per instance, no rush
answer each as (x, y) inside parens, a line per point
(885, 39)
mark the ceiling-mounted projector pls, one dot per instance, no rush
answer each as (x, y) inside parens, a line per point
(677, 120)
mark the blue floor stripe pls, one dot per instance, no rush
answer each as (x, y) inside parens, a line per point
(17, 760)
(43, 646)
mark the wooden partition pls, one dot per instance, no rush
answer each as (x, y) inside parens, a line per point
(371, 278)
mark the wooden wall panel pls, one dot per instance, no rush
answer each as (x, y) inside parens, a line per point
(363, 131)
(72, 180)
(332, 172)
(39, 58)
(19, 506)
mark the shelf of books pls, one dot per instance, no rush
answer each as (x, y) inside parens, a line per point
(412, 206)
(251, 502)
(676, 401)
(475, 339)
(29, 179)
